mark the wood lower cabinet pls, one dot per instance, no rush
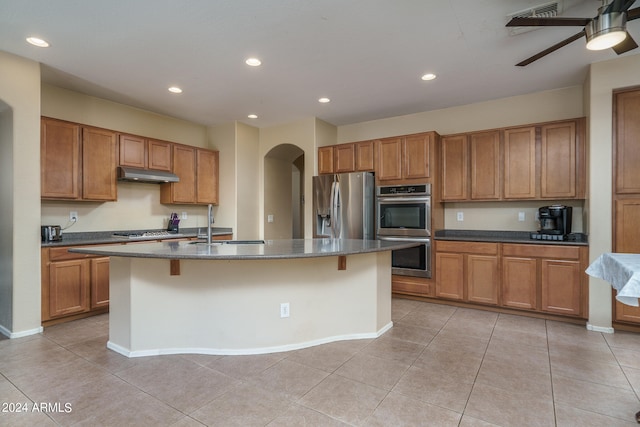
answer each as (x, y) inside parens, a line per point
(467, 271)
(519, 283)
(73, 285)
(561, 286)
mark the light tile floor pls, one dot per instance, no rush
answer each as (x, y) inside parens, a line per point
(438, 366)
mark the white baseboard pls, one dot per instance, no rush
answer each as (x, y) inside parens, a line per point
(7, 333)
(605, 330)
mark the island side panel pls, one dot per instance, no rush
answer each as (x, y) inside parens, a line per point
(233, 306)
(119, 304)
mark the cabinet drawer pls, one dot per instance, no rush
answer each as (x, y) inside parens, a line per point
(61, 254)
(541, 251)
(467, 247)
(412, 285)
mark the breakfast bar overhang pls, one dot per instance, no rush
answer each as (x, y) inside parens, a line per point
(225, 298)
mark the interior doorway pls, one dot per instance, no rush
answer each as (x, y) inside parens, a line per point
(284, 192)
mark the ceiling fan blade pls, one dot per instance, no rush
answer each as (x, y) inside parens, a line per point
(618, 6)
(626, 45)
(551, 49)
(547, 22)
(633, 14)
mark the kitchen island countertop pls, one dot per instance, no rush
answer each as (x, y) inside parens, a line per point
(231, 250)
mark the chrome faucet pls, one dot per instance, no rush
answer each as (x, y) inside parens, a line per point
(210, 221)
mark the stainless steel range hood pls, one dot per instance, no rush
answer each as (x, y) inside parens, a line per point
(145, 175)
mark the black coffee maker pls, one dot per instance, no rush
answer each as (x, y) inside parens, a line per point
(555, 222)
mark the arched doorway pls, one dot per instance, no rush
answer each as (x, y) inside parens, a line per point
(284, 192)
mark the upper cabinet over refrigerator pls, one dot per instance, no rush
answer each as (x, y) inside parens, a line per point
(343, 206)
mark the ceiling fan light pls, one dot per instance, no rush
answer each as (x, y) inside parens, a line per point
(606, 31)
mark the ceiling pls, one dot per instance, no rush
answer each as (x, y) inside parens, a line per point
(367, 56)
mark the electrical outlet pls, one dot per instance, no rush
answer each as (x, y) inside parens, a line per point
(184, 215)
(521, 216)
(270, 218)
(284, 309)
(460, 216)
(73, 216)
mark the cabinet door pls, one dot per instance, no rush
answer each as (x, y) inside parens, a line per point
(59, 160)
(520, 163)
(365, 156)
(518, 283)
(482, 279)
(325, 160)
(132, 151)
(389, 159)
(344, 158)
(184, 165)
(485, 165)
(98, 164)
(626, 137)
(450, 278)
(207, 176)
(68, 287)
(561, 286)
(558, 160)
(627, 226)
(626, 313)
(455, 165)
(159, 155)
(99, 282)
(417, 156)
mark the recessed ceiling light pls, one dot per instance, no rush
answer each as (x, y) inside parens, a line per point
(428, 76)
(252, 116)
(175, 89)
(254, 62)
(324, 100)
(37, 42)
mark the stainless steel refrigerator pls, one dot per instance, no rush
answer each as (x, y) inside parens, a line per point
(343, 206)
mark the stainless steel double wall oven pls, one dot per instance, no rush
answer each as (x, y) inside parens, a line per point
(404, 214)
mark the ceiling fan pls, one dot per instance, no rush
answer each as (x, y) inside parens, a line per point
(607, 29)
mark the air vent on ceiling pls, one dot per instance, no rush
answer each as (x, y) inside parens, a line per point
(546, 10)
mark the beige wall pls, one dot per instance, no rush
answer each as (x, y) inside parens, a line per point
(20, 195)
(537, 107)
(604, 77)
(138, 205)
(248, 178)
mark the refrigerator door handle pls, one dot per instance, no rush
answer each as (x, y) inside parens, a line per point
(338, 212)
(333, 210)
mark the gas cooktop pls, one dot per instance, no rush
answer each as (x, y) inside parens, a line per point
(144, 234)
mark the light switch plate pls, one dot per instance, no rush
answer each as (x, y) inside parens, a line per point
(460, 216)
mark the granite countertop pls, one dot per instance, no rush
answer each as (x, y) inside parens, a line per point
(575, 239)
(107, 237)
(270, 249)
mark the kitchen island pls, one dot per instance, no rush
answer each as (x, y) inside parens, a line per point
(246, 297)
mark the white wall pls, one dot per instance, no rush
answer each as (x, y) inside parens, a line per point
(20, 196)
(604, 77)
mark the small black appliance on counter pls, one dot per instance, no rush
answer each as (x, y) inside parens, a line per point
(51, 233)
(555, 223)
(172, 227)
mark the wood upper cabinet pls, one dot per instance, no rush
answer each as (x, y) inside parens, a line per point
(485, 165)
(132, 151)
(207, 163)
(455, 167)
(77, 162)
(626, 141)
(159, 155)
(344, 158)
(365, 156)
(197, 169)
(59, 159)
(138, 152)
(406, 157)
(520, 163)
(325, 160)
(558, 160)
(98, 164)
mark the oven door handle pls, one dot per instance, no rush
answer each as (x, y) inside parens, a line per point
(405, 239)
(404, 199)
